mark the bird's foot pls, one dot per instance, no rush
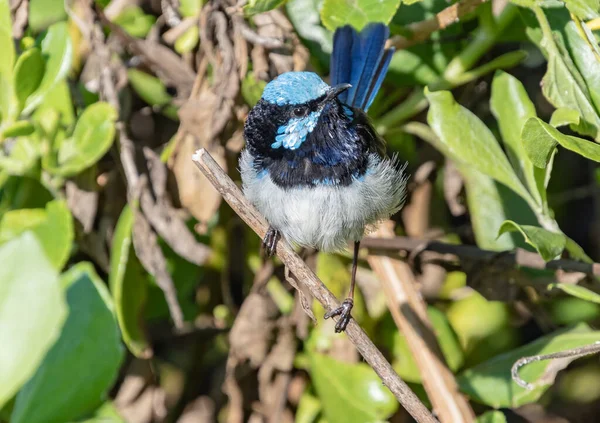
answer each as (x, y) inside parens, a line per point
(344, 312)
(270, 241)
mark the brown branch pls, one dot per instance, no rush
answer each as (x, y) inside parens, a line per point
(421, 31)
(409, 312)
(516, 258)
(232, 194)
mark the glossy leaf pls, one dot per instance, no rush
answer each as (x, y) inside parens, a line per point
(151, 89)
(43, 13)
(53, 227)
(17, 129)
(29, 71)
(7, 58)
(405, 364)
(584, 9)
(564, 116)
(469, 141)
(57, 48)
(512, 107)
(134, 21)
(93, 135)
(548, 244)
(32, 311)
(540, 140)
(577, 291)
(304, 15)
(490, 382)
(82, 365)
(491, 417)
(358, 13)
(106, 413)
(128, 286)
(571, 80)
(350, 392)
(260, 6)
(188, 40)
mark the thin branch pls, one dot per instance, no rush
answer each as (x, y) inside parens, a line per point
(421, 31)
(516, 258)
(409, 312)
(232, 194)
(573, 353)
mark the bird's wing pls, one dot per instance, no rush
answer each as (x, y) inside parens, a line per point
(360, 59)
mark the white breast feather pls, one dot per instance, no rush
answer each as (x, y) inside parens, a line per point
(327, 217)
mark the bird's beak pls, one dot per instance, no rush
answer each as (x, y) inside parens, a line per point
(336, 90)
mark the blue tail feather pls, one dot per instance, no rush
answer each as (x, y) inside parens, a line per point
(361, 60)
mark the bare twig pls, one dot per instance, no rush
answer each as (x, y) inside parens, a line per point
(573, 353)
(422, 30)
(367, 349)
(409, 312)
(517, 258)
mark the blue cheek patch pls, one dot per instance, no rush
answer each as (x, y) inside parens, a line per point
(348, 112)
(294, 133)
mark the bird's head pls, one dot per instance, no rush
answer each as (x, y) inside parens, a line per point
(291, 107)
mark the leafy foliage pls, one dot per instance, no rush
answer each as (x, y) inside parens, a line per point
(109, 236)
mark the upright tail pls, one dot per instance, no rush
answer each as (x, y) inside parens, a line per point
(360, 59)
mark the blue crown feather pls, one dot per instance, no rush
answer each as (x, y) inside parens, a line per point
(360, 59)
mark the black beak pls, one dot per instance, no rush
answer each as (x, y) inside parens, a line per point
(336, 90)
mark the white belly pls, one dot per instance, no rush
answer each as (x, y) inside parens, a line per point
(326, 217)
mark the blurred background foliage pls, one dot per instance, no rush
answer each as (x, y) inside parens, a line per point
(130, 293)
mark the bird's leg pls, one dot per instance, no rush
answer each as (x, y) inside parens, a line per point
(270, 241)
(346, 308)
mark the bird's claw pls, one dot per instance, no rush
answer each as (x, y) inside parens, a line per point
(344, 312)
(270, 241)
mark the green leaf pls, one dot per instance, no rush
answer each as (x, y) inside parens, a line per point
(540, 140)
(57, 48)
(106, 413)
(309, 408)
(7, 58)
(29, 71)
(584, 9)
(128, 286)
(43, 13)
(77, 372)
(404, 362)
(32, 311)
(252, 89)
(134, 21)
(467, 140)
(512, 107)
(17, 129)
(571, 79)
(548, 244)
(564, 116)
(490, 382)
(358, 13)
(260, 6)
(149, 88)
(304, 15)
(188, 40)
(350, 392)
(492, 417)
(577, 291)
(53, 227)
(190, 8)
(93, 136)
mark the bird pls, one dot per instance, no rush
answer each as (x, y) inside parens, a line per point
(313, 163)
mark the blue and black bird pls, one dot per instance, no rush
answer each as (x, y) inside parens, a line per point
(314, 166)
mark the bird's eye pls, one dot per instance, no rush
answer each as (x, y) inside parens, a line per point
(299, 111)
